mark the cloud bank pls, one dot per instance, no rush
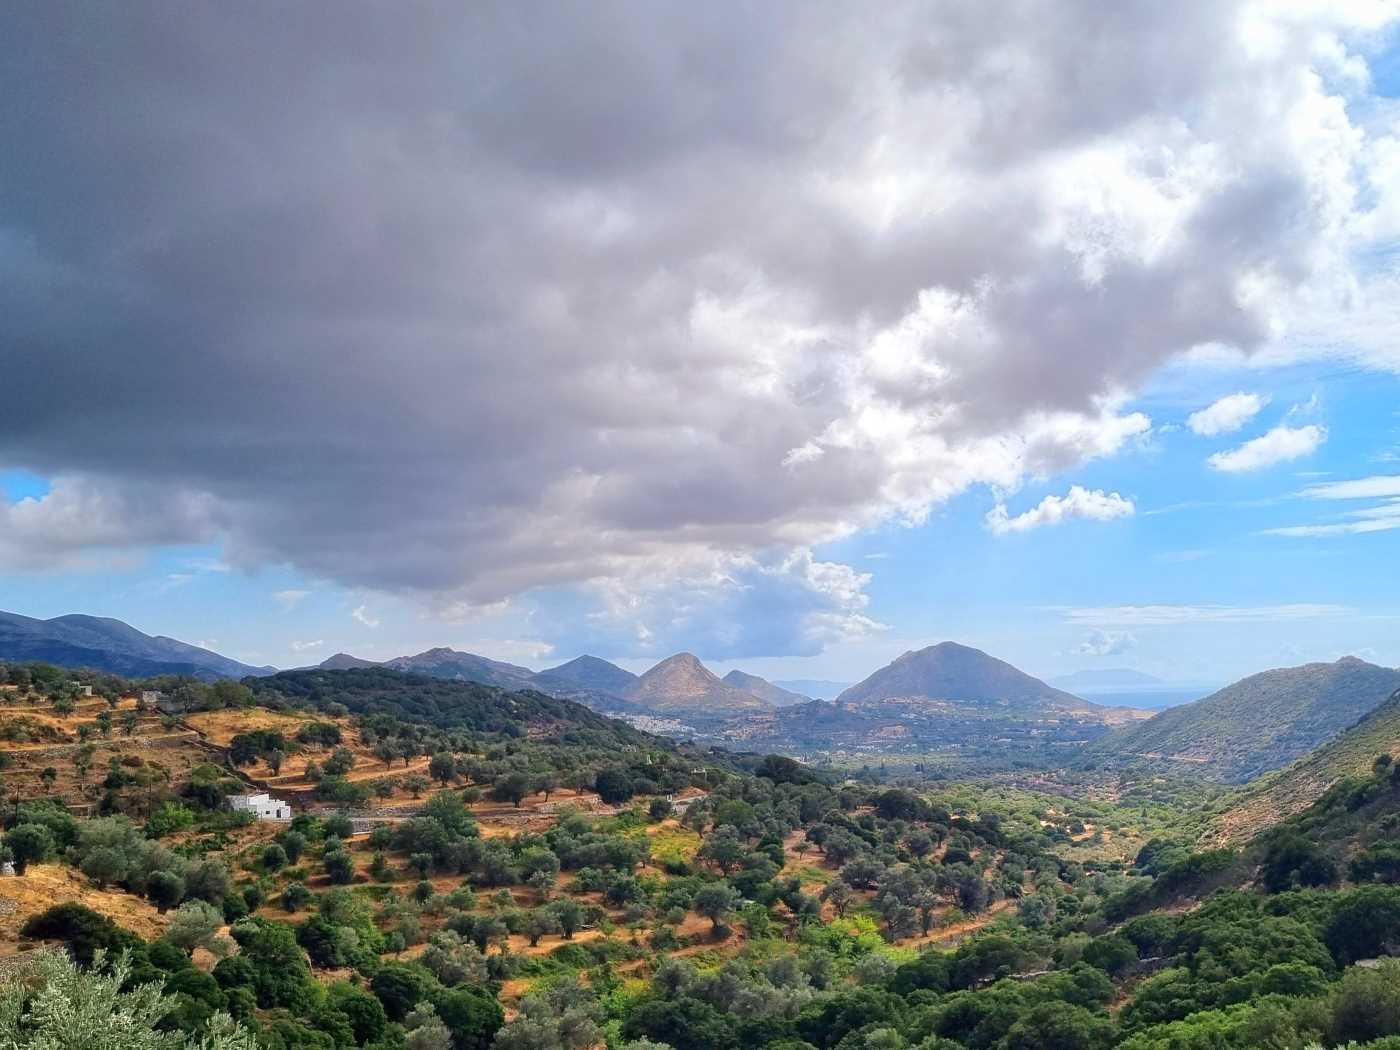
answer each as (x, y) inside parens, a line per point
(468, 303)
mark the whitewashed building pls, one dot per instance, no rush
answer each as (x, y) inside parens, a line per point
(262, 806)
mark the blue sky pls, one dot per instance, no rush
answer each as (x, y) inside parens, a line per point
(686, 328)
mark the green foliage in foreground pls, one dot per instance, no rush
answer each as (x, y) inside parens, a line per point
(52, 1003)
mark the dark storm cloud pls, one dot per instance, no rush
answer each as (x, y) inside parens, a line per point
(470, 302)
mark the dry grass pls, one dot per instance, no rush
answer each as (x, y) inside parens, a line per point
(44, 885)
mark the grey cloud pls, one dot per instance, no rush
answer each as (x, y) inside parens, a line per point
(469, 302)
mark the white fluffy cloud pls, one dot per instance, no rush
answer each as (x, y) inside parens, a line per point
(655, 289)
(1280, 445)
(1106, 643)
(1227, 415)
(1079, 502)
(361, 615)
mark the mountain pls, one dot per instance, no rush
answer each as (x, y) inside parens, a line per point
(817, 688)
(1278, 795)
(1107, 678)
(1258, 724)
(764, 689)
(590, 672)
(962, 675)
(343, 662)
(105, 644)
(683, 683)
(464, 667)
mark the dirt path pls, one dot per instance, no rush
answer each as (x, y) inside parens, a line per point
(947, 936)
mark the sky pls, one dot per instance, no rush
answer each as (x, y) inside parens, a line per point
(793, 335)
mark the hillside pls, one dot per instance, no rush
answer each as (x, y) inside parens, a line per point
(465, 667)
(104, 644)
(1292, 790)
(1258, 724)
(590, 672)
(961, 674)
(683, 683)
(440, 702)
(764, 689)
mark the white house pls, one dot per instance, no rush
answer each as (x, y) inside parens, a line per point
(263, 806)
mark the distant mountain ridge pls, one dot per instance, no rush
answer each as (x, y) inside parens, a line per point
(680, 683)
(106, 644)
(960, 674)
(764, 689)
(1106, 678)
(1258, 724)
(816, 688)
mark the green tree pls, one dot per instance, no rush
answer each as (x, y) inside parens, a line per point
(569, 914)
(716, 901)
(513, 788)
(1060, 1026)
(282, 977)
(1366, 1003)
(29, 844)
(274, 857)
(340, 867)
(472, 1017)
(194, 925)
(165, 890)
(442, 766)
(104, 865)
(53, 1004)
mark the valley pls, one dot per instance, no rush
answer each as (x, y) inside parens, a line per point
(513, 866)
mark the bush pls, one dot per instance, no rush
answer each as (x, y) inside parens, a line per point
(168, 819)
(82, 930)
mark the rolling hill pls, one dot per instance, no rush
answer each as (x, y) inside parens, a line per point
(960, 674)
(1258, 724)
(764, 689)
(683, 683)
(104, 644)
(438, 701)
